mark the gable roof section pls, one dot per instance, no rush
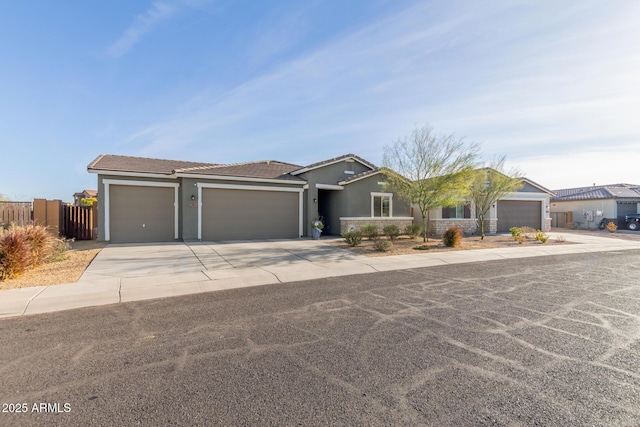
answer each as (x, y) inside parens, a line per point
(113, 163)
(266, 169)
(360, 176)
(538, 186)
(611, 191)
(333, 161)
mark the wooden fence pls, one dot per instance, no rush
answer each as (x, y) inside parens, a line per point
(79, 222)
(562, 219)
(19, 213)
(72, 222)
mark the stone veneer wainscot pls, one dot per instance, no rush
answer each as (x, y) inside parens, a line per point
(346, 223)
(468, 226)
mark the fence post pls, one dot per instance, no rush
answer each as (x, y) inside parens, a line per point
(48, 213)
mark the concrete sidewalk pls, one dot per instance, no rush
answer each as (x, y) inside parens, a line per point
(122, 273)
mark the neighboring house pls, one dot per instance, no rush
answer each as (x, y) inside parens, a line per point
(153, 200)
(85, 194)
(529, 206)
(585, 207)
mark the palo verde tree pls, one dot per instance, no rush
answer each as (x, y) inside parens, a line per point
(488, 185)
(430, 170)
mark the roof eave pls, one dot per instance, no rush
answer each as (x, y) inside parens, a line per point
(337, 160)
(134, 174)
(239, 178)
(356, 179)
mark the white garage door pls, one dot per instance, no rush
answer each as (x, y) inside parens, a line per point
(231, 214)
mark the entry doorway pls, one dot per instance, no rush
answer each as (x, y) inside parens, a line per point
(328, 210)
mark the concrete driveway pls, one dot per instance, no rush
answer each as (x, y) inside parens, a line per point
(122, 273)
(143, 260)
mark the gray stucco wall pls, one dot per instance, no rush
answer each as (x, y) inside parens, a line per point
(528, 188)
(188, 209)
(358, 195)
(330, 174)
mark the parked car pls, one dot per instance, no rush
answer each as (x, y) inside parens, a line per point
(633, 221)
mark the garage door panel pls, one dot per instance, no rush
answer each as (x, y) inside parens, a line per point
(249, 214)
(519, 213)
(141, 214)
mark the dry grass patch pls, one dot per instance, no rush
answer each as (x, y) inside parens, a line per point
(406, 245)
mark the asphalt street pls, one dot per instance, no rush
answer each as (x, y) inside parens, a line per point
(549, 341)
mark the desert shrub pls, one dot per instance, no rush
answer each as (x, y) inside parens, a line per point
(392, 231)
(541, 236)
(59, 250)
(369, 231)
(413, 230)
(25, 247)
(382, 245)
(452, 237)
(515, 231)
(611, 227)
(40, 242)
(15, 254)
(352, 238)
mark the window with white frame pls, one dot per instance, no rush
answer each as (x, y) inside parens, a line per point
(381, 205)
(460, 211)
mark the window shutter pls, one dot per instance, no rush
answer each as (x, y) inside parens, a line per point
(445, 213)
(467, 211)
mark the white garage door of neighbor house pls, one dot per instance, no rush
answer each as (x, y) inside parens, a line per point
(140, 214)
(231, 214)
(519, 213)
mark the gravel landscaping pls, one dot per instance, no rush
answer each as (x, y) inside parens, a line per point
(54, 273)
(405, 245)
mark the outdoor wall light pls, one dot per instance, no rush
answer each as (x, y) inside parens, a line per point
(193, 197)
(315, 200)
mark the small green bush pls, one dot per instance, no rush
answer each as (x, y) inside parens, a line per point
(413, 230)
(392, 231)
(452, 237)
(352, 238)
(369, 231)
(382, 245)
(541, 236)
(515, 231)
(59, 250)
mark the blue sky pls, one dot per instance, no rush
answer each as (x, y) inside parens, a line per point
(553, 85)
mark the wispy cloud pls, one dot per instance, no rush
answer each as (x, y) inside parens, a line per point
(507, 76)
(141, 25)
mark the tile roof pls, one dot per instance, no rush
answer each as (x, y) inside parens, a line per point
(261, 169)
(611, 191)
(109, 162)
